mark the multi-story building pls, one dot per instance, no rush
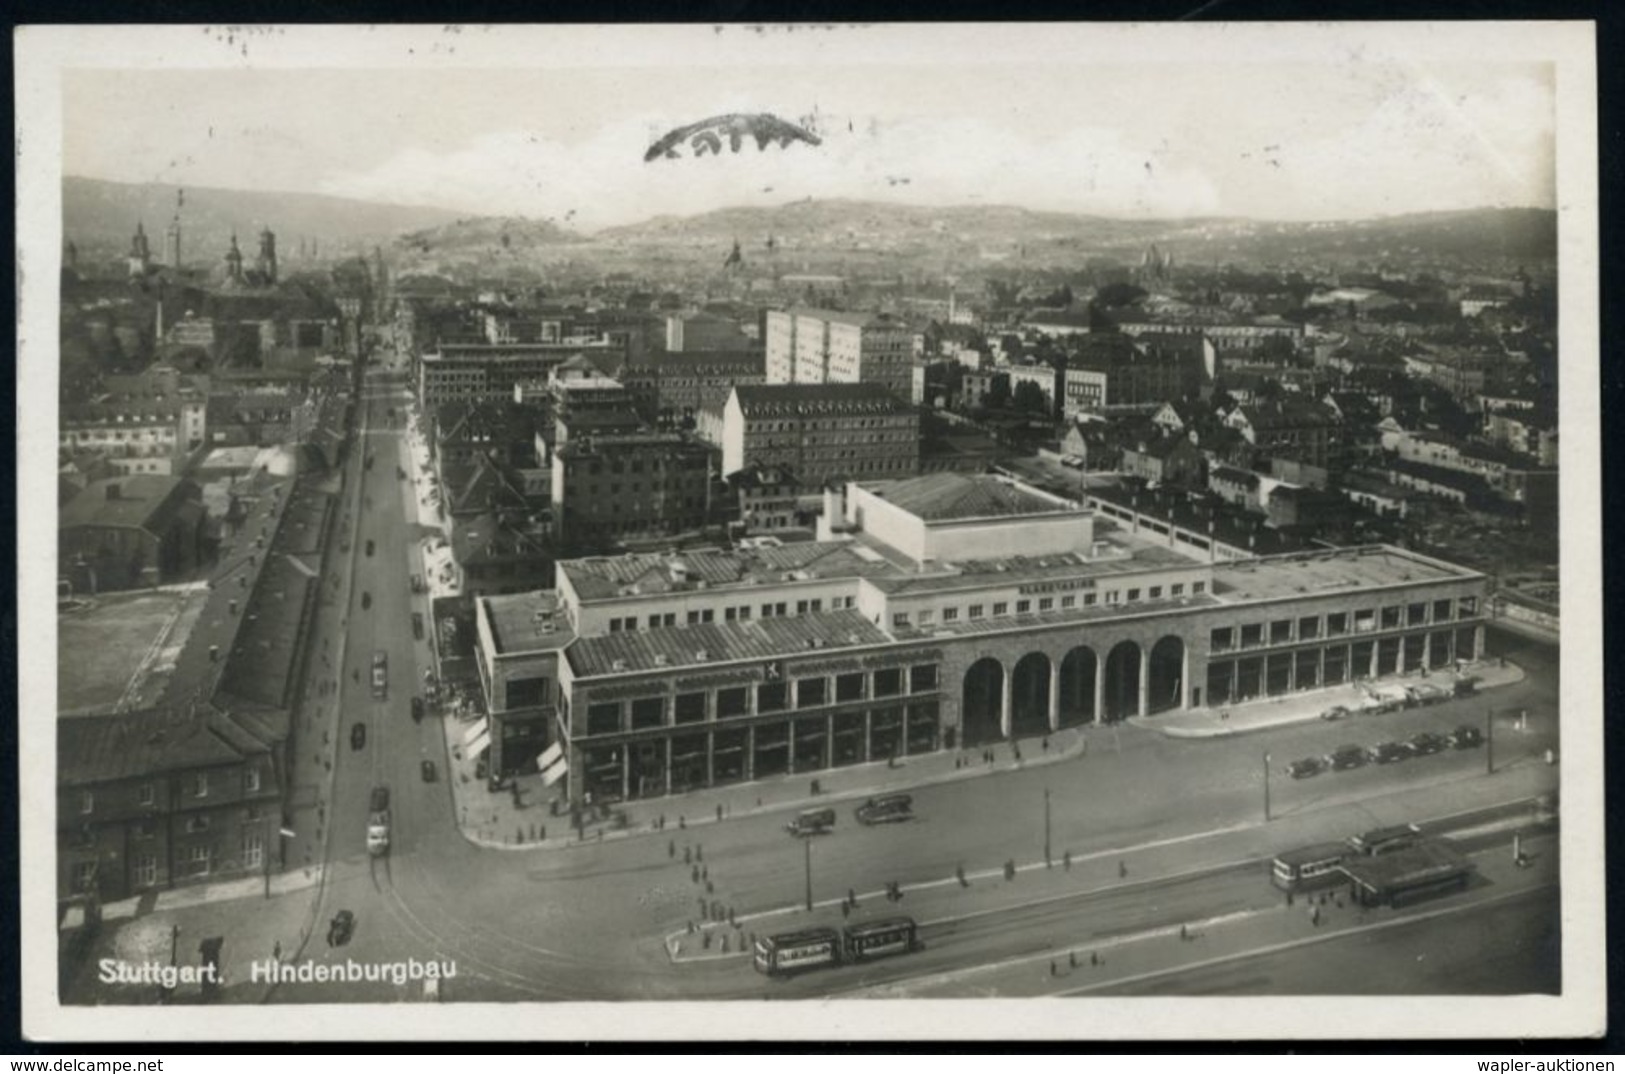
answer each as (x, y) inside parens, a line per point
(912, 626)
(704, 332)
(149, 799)
(812, 346)
(610, 487)
(146, 432)
(819, 431)
(128, 531)
(676, 386)
(490, 371)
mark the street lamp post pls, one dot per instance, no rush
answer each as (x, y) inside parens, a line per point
(1046, 828)
(1489, 741)
(806, 846)
(1266, 786)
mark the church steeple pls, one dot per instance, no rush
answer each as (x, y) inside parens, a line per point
(234, 261)
(140, 253)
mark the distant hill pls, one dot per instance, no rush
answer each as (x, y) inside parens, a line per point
(97, 214)
(492, 234)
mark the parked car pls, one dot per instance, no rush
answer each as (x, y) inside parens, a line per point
(417, 709)
(340, 929)
(1425, 742)
(1389, 752)
(429, 774)
(1427, 693)
(1466, 737)
(1336, 712)
(417, 618)
(1466, 686)
(370, 546)
(1309, 766)
(366, 599)
(358, 736)
(1348, 757)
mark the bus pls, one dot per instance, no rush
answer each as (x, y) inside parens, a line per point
(792, 952)
(876, 939)
(1421, 870)
(1309, 867)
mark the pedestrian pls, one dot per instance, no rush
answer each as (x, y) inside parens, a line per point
(694, 874)
(1122, 870)
(852, 896)
(671, 849)
(276, 951)
(719, 810)
(1289, 898)
(1066, 859)
(705, 872)
(1052, 970)
(1314, 915)
(1184, 933)
(699, 852)
(1094, 959)
(710, 888)
(1072, 960)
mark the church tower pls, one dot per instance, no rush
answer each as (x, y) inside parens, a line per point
(234, 262)
(266, 262)
(172, 243)
(140, 253)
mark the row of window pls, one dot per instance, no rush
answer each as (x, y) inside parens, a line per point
(197, 786)
(1336, 624)
(610, 717)
(1001, 608)
(737, 613)
(196, 860)
(635, 466)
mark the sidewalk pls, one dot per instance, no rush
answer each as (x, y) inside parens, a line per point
(1263, 713)
(522, 820)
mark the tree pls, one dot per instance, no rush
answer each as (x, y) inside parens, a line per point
(1030, 397)
(998, 391)
(1118, 295)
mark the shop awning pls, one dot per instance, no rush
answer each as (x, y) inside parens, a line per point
(549, 756)
(552, 775)
(479, 742)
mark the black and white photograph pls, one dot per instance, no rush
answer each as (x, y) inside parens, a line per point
(754, 531)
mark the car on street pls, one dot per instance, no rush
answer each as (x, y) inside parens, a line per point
(429, 774)
(358, 736)
(1466, 737)
(886, 809)
(417, 617)
(369, 546)
(341, 928)
(1350, 756)
(417, 709)
(1309, 766)
(811, 822)
(1336, 712)
(1389, 752)
(366, 599)
(1425, 742)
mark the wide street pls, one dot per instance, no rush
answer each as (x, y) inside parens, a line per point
(591, 921)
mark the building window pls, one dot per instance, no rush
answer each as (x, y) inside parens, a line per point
(604, 718)
(1023, 607)
(1177, 589)
(526, 693)
(1252, 635)
(1089, 599)
(1001, 607)
(200, 785)
(1069, 600)
(767, 611)
(654, 621)
(744, 612)
(1155, 593)
(197, 857)
(975, 611)
(1221, 639)
(810, 693)
(1468, 607)
(1365, 620)
(1112, 596)
(729, 614)
(922, 677)
(251, 781)
(950, 615)
(146, 871)
(689, 708)
(734, 701)
(1416, 614)
(1133, 595)
(772, 697)
(926, 616)
(899, 619)
(648, 712)
(84, 876)
(87, 802)
(1280, 631)
(888, 682)
(849, 687)
(1441, 611)
(1046, 603)
(693, 618)
(253, 848)
(1390, 617)
(197, 824)
(707, 615)
(1198, 587)
(1308, 628)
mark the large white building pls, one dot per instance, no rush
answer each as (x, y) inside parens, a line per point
(811, 346)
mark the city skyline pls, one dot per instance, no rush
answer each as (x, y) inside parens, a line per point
(1290, 137)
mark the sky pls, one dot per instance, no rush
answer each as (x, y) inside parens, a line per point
(1132, 129)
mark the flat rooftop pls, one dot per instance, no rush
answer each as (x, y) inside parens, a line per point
(1334, 570)
(705, 644)
(518, 620)
(1116, 553)
(945, 497)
